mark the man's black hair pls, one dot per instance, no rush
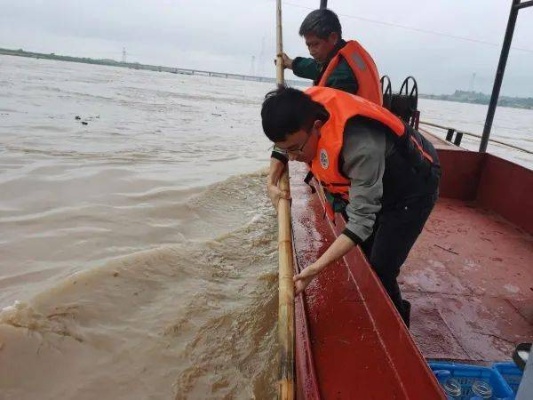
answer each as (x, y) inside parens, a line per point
(286, 111)
(321, 23)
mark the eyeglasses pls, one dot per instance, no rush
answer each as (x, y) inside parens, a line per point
(300, 149)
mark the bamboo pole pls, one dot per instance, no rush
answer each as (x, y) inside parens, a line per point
(286, 297)
(286, 268)
(280, 79)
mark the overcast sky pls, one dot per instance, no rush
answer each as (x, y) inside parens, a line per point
(443, 43)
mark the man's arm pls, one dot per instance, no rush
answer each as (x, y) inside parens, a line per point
(342, 245)
(364, 163)
(364, 150)
(303, 67)
(306, 68)
(278, 160)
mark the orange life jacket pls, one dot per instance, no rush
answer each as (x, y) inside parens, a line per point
(342, 106)
(363, 68)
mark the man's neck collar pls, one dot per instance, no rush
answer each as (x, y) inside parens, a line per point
(340, 44)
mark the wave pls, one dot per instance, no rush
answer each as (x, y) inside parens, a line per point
(190, 320)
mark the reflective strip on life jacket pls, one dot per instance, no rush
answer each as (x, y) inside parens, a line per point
(363, 68)
(421, 149)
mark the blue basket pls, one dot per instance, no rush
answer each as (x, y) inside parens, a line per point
(511, 374)
(468, 374)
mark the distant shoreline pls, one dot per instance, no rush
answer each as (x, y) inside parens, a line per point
(459, 96)
(147, 67)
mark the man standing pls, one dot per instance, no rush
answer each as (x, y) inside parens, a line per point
(336, 63)
(384, 171)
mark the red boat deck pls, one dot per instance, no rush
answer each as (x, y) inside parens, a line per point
(469, 277)
(470, 274)
(470, 281)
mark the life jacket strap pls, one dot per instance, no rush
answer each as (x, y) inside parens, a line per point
(308, 179)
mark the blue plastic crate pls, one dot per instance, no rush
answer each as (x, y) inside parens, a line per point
(510, 373)
(468, 374)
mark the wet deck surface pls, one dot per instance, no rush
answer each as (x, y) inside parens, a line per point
(470, 280)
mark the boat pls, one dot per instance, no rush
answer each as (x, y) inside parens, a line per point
(468, 277)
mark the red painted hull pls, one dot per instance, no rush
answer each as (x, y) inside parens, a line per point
(352, 344)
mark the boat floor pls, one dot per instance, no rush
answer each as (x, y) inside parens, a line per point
(469, 278)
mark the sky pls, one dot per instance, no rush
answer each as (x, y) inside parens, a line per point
(445, 44)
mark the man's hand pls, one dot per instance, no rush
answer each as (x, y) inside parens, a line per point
(274, 175)
(287, 62)
(339, 248)
(304, 278)
(275, 194)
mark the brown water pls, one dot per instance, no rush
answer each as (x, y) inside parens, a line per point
(138, 255)
(138, 252)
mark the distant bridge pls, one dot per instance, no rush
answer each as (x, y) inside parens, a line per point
(148, 67)
(186, 71)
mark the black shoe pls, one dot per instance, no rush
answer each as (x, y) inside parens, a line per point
(406, 312)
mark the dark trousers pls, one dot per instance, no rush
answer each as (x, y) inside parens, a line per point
(395, 232)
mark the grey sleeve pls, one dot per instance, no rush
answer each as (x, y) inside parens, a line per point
(363, 155)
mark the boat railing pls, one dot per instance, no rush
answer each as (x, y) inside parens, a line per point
(455, 136)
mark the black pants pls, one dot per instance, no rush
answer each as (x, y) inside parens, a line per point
(395, 232)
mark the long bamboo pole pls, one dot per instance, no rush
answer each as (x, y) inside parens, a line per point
(286, 268)
(280, 79)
